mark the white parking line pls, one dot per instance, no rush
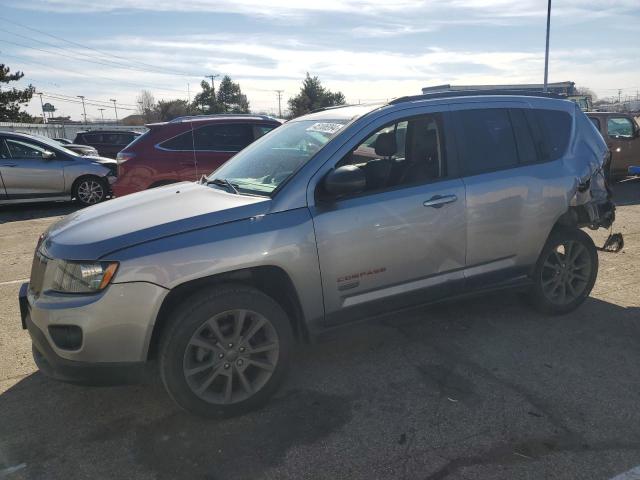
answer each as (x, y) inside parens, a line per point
(11, 282)
(633, 474)
(10, 470)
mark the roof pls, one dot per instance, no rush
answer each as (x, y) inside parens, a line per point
(566, 87)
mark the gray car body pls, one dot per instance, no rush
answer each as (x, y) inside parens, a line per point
(345, 260)
(24, 180)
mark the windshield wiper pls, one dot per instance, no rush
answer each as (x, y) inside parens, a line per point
(224, 183)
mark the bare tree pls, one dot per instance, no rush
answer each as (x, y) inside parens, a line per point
(147, 106)
(586, 91)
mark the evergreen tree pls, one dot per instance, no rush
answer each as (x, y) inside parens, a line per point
(11, 100)
(205, 101)
(230, 98)
(313, 96)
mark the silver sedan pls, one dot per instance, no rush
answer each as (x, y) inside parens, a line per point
(35, 168)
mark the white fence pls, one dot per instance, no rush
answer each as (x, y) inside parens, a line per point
(54, 130)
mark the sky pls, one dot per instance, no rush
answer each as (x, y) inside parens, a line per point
(371, 50)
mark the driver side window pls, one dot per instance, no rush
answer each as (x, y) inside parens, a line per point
(24, 150)
(407, 152)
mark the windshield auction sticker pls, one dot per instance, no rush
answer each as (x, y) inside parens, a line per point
(325, 127)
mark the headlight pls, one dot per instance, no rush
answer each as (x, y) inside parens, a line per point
(78, 277)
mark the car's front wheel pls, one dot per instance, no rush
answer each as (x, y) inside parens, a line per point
(565, 273)
(89, 190)
(225, 351)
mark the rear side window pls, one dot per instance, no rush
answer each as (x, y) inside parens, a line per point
(181, 142)
(485, 140)
(260, 130)
(619, 127)
(524, 138)
(555, 128)
(595, 121)
(223, 138)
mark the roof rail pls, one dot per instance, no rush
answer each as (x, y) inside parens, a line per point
(221, 115)
(474, 93)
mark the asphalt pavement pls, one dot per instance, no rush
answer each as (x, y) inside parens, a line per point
(482, 388)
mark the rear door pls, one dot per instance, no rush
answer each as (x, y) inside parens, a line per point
(505, 179)
(623, 143)
(27, 174)
(217, 143)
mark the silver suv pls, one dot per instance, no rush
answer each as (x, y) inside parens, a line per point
(339, 215)
(35, 169)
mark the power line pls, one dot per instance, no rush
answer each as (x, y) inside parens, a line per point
(67, 70)
(71, 42)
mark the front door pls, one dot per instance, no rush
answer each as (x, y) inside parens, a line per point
(216, 143)
(623, 143)
(402, 240)
(27, 173)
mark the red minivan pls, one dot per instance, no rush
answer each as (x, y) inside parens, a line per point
(185, 149)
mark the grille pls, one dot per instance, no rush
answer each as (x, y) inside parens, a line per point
(38, 269)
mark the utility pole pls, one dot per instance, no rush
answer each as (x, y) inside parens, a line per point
(102, 114)
(44, 117)
(84, 110)
(115, 108)
(279, 93)
(619, 93)
(546, 52)
(213, 88)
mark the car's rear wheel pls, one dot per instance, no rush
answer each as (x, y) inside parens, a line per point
(89, 190)
(225, 351)
(565, 273)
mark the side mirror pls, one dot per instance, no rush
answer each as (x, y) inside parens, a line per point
(345, 180)
(48, 155)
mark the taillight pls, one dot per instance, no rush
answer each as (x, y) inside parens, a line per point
(124, 156)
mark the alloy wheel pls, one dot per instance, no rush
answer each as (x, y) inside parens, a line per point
(566, 272)
(231, 356)
(90, 192)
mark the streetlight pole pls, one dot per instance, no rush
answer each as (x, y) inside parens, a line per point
(115, 108)
(546, 53)
(102, 114)
(81, 97)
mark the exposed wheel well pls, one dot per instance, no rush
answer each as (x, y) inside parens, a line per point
(273, 281)
(74, 185)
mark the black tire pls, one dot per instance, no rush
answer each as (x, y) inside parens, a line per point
(555, 271)
(191, 322)
(90, 190)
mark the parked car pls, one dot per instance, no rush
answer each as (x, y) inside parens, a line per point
(107, 142)
(85, 150)
(295, 236)
(622, 134)
(36, 169)
(185, 149)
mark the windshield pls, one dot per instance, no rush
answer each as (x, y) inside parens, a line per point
(56, 145)
(268, 162)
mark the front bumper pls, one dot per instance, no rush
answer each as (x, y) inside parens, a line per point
(116, 324)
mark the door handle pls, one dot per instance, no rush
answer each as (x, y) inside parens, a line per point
(8, 164)
(438, 201)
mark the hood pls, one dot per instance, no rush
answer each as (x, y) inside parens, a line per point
(94, 232)
(101, 160)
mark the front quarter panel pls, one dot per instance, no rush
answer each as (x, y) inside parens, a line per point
(77, 168)
(283, 239)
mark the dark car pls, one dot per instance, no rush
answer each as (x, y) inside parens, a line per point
(185, 149)
(107, 142)
(84, 150)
